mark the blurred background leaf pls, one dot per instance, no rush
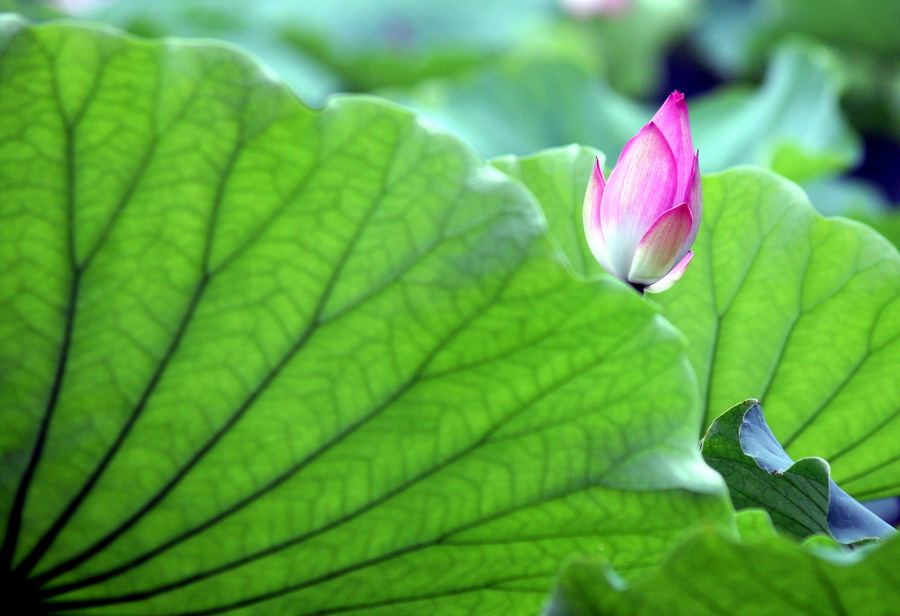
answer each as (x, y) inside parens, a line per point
(809, 89)
(354, 45)
(523, 104)
(792, 123)
(711, 575)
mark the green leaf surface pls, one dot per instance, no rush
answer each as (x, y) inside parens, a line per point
(262, 360)
(844, 23)
(557, 177)
(886, 223)
(800, 497)
(764, 576)
(802, 313)
(796, 310)
(755, 524)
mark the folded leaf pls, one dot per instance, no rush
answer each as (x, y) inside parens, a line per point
(801, 497)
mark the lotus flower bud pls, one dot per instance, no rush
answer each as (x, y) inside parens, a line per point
(640, 224)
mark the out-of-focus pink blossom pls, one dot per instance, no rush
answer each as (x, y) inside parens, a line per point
(583, 9)
(80, 7)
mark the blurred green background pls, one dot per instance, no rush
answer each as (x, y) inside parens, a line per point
(808, 88)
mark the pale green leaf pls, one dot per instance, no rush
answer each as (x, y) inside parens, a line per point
(711, 575)
(871, 27)
(346, 46)
(632, 43)
(783, 305)
(802, 313)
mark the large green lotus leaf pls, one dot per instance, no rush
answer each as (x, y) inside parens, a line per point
(261, 360)
(802, 313)
(782, 305)
(713, 575)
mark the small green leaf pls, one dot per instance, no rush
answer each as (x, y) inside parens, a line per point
(800, 497)
(711, 575)
(795, 498)
(754, 524)
(260, 359)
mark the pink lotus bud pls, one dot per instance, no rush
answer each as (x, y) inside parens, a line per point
(641, 223)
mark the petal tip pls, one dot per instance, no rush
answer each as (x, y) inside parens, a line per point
(675, 99)
(661, 247)
(598, 172)
(668, 281)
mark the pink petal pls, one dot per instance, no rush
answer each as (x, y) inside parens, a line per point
(694, 198)
(640, 188)
(672, 120)
(660, 247)
(666, 282)
(591, 216)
